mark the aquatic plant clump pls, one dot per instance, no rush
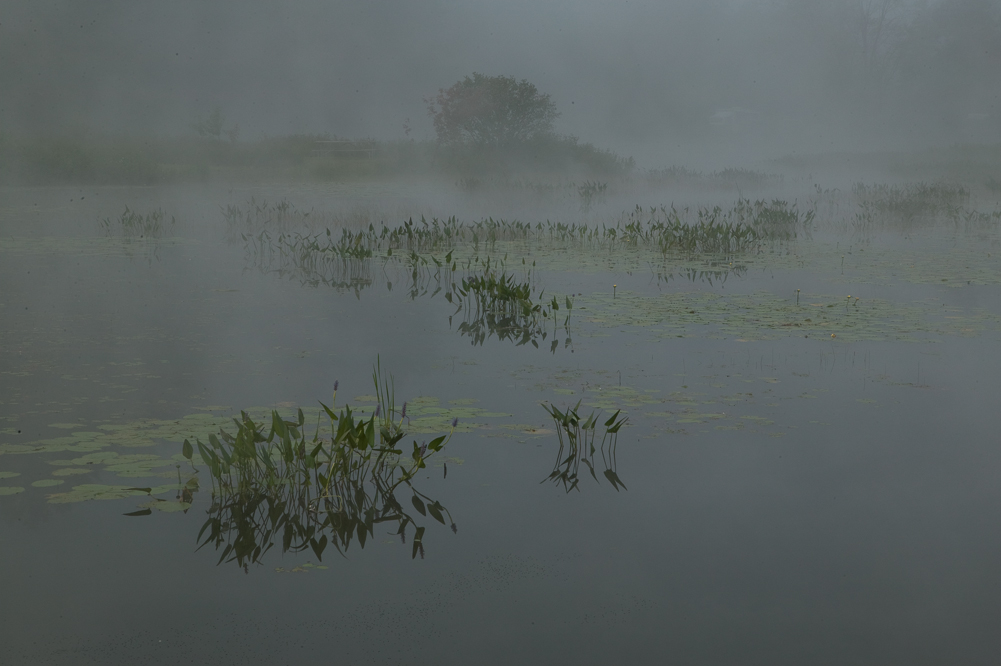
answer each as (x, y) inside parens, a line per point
(134, 225)
(905, 203)
(714, 231)
(281, 217)
(576, 437)
(705, 231)
(272, 481)
(501, 305)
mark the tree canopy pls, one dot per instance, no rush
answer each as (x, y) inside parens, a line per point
(491, 110)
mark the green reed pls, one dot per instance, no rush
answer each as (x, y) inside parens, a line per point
(576, 436)
(273, 482)
(258, 216)
(133, 225)
(743, 227)
(494, 302)
(905, 203)
(590, 193)
(704, 230)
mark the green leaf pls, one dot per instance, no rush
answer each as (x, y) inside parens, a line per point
(417, 541)
(435, 511)
(186, 450)
(330, 413)
(419, 505)
(614, 479)
(316, 449)
(318, 546)
(141, 512)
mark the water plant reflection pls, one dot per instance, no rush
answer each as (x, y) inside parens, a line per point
(670, 231)
(712, 274)
(576, 436)
(499, 304)
(133, 225)
(272, 483)
(139, 234)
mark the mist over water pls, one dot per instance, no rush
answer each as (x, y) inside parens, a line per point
(704, 84)
(670, 337)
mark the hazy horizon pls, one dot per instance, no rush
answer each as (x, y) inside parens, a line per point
(695, 83)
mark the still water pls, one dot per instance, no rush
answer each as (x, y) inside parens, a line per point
(804, 476)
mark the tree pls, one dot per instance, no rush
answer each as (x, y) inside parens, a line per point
(491, 110)
(876, 21)
(212, 127)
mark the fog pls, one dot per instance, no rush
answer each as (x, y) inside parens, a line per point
(500, 332)
(697, 83)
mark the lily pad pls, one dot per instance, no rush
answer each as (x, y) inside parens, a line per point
(45, 483)
(94, 491)
(70, 471)
(166, 506)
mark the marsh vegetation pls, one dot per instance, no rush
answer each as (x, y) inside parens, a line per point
(708, 341)
(333, 488)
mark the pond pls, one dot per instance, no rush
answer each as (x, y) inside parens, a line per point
(276, 424)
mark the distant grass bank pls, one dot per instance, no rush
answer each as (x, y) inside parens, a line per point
(87, 158)
(974, 164)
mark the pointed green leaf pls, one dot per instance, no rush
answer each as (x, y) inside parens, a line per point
(143, 512)
(435, 511)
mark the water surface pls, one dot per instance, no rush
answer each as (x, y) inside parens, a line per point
(808, 476)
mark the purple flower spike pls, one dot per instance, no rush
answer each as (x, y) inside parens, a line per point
(377, 410)
(403, 413)
(455, 422)
(336, 383)
(424, 448)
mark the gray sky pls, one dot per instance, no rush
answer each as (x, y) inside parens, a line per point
(642, 77)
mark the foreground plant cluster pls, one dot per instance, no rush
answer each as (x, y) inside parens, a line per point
(274, 483)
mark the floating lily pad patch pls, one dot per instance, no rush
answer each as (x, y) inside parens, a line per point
(166, 506)
(527, 429)
(620, 397)
(9, 475)
(426, 415)
(97, 491)
(302, 568)
(10, 490)
(45, 483)
(766, 316)
(72, 471)
(97, 458)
